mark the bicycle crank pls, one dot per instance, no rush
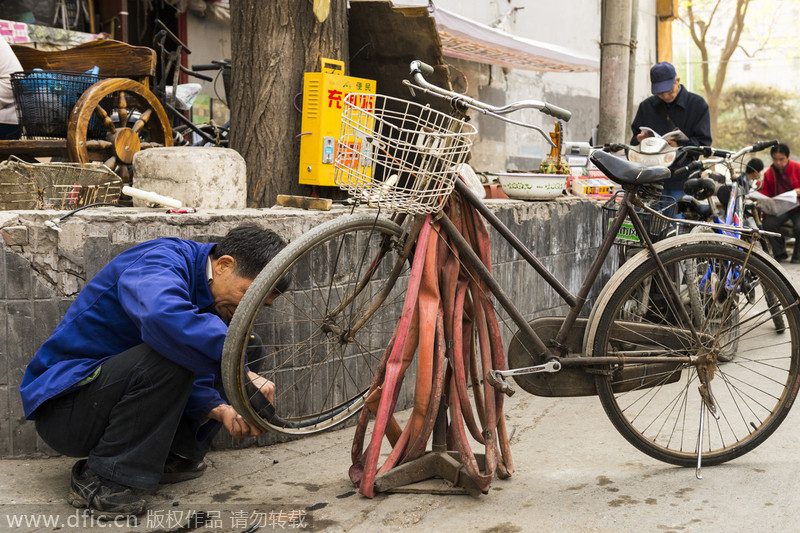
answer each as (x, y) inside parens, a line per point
(496, 378)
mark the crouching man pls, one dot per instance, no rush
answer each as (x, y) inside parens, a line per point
(130, 379)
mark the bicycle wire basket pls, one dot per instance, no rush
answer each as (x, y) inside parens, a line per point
(656, 227)
(59, 186)
(399, 155)
(45, 99)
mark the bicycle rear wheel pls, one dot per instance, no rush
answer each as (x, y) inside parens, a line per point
(323, 337)
(657, 407)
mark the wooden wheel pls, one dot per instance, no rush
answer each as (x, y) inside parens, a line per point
(114, 119)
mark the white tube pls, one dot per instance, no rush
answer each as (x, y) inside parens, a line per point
(151, 197)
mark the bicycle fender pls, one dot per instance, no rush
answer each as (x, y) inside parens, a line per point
(617, 280)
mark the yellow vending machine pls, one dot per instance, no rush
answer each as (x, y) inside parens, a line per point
(323, 101)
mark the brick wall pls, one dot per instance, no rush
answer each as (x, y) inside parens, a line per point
(41, 272)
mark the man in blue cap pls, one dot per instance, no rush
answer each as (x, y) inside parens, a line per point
(672, 107)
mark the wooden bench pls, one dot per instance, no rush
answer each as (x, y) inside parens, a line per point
(127, 71)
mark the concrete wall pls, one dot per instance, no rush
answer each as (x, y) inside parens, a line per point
(41, 272)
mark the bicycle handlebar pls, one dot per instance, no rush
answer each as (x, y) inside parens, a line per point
(720, 156)
(420, 69)
(195, 74)
(757, 147)
(694, 166)
(215, 65)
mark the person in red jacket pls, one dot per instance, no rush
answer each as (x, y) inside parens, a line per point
(782, 176)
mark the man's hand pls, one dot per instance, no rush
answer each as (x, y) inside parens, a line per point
(264, 385)
(237, 426)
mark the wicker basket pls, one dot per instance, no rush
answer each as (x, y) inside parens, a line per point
(399, 155)
(45, 99)
(55, 185)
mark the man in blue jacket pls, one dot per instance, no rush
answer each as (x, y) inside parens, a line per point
(130, 378)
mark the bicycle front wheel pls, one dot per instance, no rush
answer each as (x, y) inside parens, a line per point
(320, 340)
(750, 368)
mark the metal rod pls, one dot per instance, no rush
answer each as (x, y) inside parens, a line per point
(700, 440)
(622, 360)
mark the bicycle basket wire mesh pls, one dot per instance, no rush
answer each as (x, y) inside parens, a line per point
(44, 101)
(656, 228)
(399, 155)
(26, 185)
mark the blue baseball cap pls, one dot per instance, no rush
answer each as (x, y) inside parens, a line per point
(662, 77)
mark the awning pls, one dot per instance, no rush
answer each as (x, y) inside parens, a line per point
(466, 39)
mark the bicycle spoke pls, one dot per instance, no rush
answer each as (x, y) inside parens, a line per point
(746, 366)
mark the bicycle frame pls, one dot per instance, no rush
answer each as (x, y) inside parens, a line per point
(575, 302)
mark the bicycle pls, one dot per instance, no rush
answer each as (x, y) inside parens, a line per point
(656, 372)
(736, 214)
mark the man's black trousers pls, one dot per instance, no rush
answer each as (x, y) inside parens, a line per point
(127, 420)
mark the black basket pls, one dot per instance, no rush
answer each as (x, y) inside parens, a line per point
(45, 100)
(226, 83)
(656, 228)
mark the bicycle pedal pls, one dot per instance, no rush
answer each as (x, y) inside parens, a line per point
(498, 382)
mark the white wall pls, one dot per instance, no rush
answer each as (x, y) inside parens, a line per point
(208, 40)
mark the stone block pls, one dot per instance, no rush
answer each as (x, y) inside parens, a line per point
(4, 343)
(21, 340)
(47, 315)
(18, 276)
(96, 255)
(23, 432)
(3, 280)
(15, 235)
(211, 178)
(41, 289)
(5, 424)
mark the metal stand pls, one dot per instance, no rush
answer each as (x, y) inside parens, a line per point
(414, 476)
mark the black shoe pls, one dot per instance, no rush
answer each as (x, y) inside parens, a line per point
(178, 469)
(795, 260)
(100, 495)
(781, 257)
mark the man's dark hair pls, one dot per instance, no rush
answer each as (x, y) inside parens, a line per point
(754, 165)
(251, 246)
(780, 147)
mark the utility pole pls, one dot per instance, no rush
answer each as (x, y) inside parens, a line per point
(615, 46)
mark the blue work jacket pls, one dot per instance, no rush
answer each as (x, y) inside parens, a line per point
(155, 293)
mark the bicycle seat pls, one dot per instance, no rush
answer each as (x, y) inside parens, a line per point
(624, 171)
(692, 208)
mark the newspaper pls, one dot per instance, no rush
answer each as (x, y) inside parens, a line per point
(776, 205)
(674, 135)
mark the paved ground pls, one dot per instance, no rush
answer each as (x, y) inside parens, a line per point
(574, 474)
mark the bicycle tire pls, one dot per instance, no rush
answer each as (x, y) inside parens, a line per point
(659, 413)
(320, 367)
